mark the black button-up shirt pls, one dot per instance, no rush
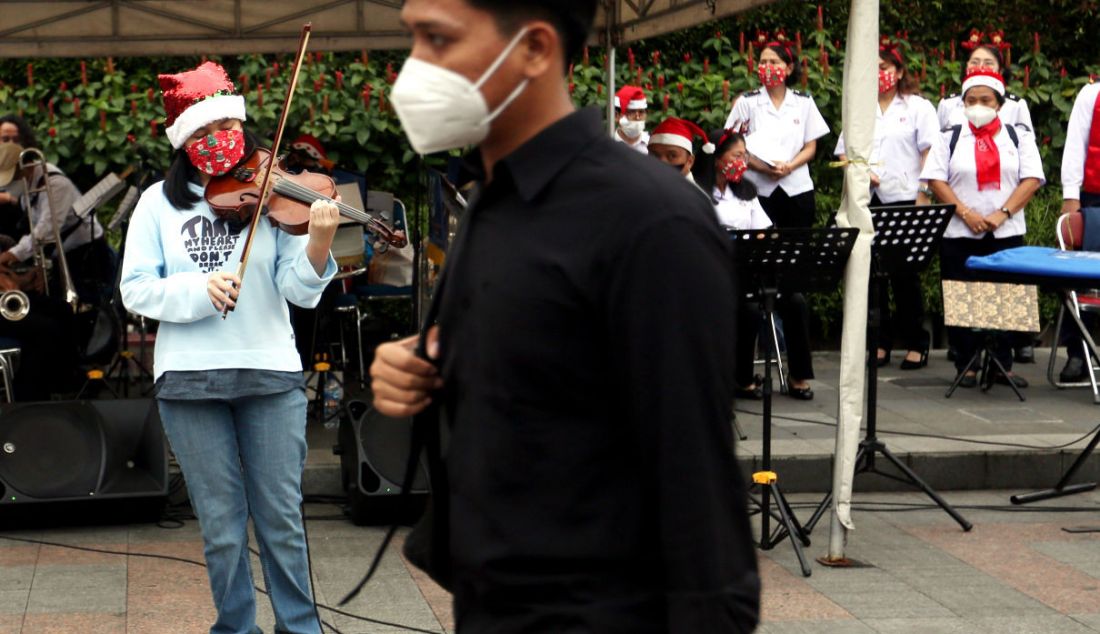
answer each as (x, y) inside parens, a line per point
(586, 342)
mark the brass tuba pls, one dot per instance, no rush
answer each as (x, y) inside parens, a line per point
(33, 158)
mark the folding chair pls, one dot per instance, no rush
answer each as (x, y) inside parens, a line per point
(1070, 230)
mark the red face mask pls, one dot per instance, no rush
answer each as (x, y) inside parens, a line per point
(771, 76)
(887, 79)
(735, 170)
(216, 154)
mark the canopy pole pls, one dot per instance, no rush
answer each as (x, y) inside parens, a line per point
(859, 104)
(610, 87)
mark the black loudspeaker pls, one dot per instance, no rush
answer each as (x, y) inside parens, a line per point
(374, 450)
(81, 450)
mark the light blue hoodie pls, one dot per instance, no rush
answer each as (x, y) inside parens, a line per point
(169, 256)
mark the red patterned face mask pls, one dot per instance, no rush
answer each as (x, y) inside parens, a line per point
(216, 154)
(887, 79)
(735, 170)
(771, 76)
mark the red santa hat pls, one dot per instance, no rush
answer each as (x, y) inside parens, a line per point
(196, 98)
(984, 77)
(632, 96)
(310, 145)
(679, 133)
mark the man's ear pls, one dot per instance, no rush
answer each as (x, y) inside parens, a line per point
(690, 163)
(542, 48)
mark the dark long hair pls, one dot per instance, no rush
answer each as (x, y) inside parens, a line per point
(705, 165)
(181, 173)
(26, 133)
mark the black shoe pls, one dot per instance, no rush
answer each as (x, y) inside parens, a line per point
(906, 364)
(952, 354)
(1024, 354)
(969, 380)
(884, 360)
(1014, 379)
(800, 393)
(755, 393)
(1074, 371)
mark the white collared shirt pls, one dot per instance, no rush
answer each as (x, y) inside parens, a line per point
(959, 170)
(951, 111)
(786, 130)
(735, 213)
(902, 134)
(641, 145)
(1077, 142)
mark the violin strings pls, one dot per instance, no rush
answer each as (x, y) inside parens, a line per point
(306, 194)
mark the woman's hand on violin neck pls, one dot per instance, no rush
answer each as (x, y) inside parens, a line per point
(324, 219)
(222, 288)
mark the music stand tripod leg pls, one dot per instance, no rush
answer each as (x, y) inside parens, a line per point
(990, 356)
(1064, 487)
(974, 360)
(922, 485)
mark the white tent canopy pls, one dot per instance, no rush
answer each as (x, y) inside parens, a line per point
(91, 28)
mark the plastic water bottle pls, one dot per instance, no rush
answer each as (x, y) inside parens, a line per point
(333, 394)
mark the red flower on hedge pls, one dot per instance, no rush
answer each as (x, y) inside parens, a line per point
(52, 132)
(974, 40)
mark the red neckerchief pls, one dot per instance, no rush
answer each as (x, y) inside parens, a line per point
(987, 157)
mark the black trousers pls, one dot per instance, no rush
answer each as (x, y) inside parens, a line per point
(785, 212)
(953, 255)
(906, 322)
(795, 313)
(790, 212)
(48, 349)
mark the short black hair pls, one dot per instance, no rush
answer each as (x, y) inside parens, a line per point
(572, 19)
(26, 133)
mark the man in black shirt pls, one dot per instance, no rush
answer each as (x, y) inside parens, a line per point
(583, 353)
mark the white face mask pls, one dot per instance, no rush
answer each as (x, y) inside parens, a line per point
(979, 115)
(632, 129)
(442, 110)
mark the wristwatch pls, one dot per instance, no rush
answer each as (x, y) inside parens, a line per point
(926, 190)
(1006, 211)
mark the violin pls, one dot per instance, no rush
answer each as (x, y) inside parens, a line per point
(235, 197)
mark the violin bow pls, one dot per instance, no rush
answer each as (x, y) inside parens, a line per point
(265, 182)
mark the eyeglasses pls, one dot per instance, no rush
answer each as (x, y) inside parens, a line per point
(9, 139)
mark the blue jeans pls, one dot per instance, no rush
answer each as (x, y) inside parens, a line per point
(244, 457)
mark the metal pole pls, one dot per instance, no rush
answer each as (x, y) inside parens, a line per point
(609, 24)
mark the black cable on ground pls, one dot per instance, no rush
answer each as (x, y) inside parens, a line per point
(192, 562)
(935, 436)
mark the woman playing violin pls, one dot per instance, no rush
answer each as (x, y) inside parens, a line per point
(230, 391)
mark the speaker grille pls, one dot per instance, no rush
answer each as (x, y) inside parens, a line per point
(384, 447)
(51, 450)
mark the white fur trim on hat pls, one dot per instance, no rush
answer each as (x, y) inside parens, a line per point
(983, 80)
(202, 114)
(671, 139)
(636, 104)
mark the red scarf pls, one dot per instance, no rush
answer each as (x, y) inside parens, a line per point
(987, 157)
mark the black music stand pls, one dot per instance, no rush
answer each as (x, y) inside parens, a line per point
(796, 260)
(906, 238)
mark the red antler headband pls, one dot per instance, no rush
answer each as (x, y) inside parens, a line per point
(891, 49)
